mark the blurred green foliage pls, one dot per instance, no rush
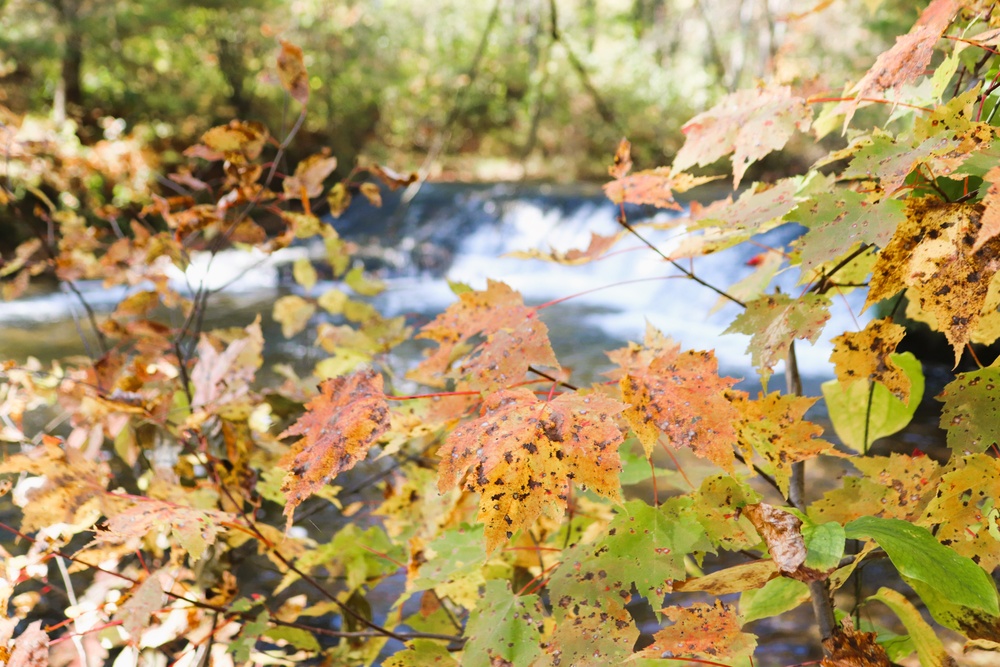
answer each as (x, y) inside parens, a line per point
(492, 89)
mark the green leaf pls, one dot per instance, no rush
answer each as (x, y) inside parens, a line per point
(920, 558)
(929, 648)
(644, 545)
(243, 645)
(971, 414)
(849, 408)
(422, 653)
(824, 544)
(774, 321)
(839, 221)
(457, 552)
(504, 627)
(297, 637)
(779, 595)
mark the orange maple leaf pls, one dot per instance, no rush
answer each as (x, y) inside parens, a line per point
(338, 428)
(680, 394)
(702, 631)
(514, 339)
(908, 58)
(522, 454)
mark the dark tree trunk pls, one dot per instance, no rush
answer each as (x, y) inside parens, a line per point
(233, 71)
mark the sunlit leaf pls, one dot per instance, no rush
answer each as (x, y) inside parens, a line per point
(307, 181)
(503, 629)
(748, 123)
(599, 245)
(338, 428)
(523, 454)
(702, 631)
(868, 356)
(929, 648)
(292, 72)
(679, 394)
(774, 321)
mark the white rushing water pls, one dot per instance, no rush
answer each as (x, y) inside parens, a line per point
(479, 229)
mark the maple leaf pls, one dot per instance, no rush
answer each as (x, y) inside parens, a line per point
(338, 428)
(717, 503)
(598, 246)
(679, 394)
(774, 321)
(970, 411)
(908, 58)
(839, 221)
(893, 487)
(593, 633)
(225, 377)
(774, 427)
(931, 253)
(728, 223)
(653, 187)
(292, 72)
(966, 509)
(66, 492)
(522, 454)
(307, 182)
(748, 123)
(239, 142)
(194, 529)
(504, 629)
(991, 215)
(782, 534)
(866, 355)
(514, 339)
(702, 631)
(644, 545)
(850, 648)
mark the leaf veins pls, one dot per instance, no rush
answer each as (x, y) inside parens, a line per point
(522, 454)
(338, 428)
(679, 394)
(514, 339)
(865, 355)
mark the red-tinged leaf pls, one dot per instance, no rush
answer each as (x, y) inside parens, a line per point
(965, 509)
(237, 141)
(31, 648)
(931, 253)
(991, 215)
(774, 321)
(599, 245)
(392, 178)
(774, 427)
(144, 600)
(307, 182)
(523, 454)
(865, 355)
(339, 427)
(224, 375)
(908, 58)
(702, 632)
(292, 72)
(194, 529)
(748, 123)
(678, 394)
(839, 221)
(623, 160)
(653, 187)
(783, 537)
(850, 648)
(514, 339)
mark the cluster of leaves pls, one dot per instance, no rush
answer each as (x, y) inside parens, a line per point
(501, 530)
